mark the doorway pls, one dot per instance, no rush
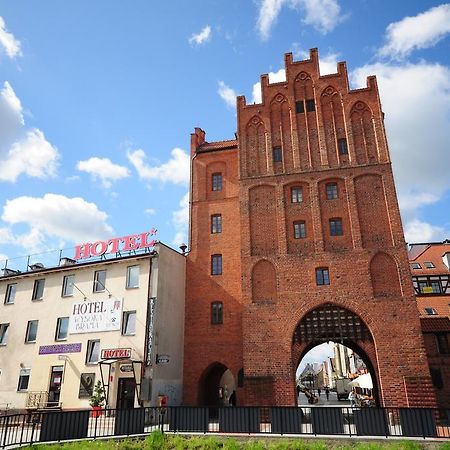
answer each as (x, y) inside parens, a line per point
(54, 389)
(125, 393)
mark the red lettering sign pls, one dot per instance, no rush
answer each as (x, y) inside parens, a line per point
(131, 242)
(116, 353)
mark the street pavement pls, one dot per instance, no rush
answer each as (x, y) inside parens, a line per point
(333, 401)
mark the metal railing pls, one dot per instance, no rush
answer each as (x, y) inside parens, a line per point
(21, 429)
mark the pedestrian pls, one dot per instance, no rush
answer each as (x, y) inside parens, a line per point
(298, 390)
(352, 398)
(232, 399)
(318, 392)
(327, 393)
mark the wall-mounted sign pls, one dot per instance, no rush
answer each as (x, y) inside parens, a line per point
(93, 316)
(126, 368)
(116, 353)
(126, 243)
(59, 348)
(87, 381)
(162, 359)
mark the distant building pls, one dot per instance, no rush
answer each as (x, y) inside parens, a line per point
(119, 320)
(430, 268)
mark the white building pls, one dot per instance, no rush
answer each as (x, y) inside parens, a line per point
(119, 320)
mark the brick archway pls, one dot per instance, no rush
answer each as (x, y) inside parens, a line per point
(331, 322)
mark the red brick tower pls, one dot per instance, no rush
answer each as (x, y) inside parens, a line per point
(296, 231)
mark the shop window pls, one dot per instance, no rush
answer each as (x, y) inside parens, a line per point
(216, 182)
(10, 295)
(129, 323)
(442, 343)
(4, 327)
(342, 146)
(216, 265)
(133, 277)
(216, 223)
(32, 329)
(299, 230)
(93, 352)
(216, 313)
(336, 227)
(436, 378)
(299, 107)
(296, 194)
(310, 105)
(38, 289)
(277, 155)
(331, 191)
(24, 378)
(322, 276)
(99, 281)
(62, 328)
(68, 281)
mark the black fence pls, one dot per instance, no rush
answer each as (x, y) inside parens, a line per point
(21, 429)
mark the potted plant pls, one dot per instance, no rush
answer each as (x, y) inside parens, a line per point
(97, 398)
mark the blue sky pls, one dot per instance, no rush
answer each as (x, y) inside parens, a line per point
(98, 100)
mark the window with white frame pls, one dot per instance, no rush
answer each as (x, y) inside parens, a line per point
(93, 352)
(99, 281)
(24, 378)
(10, 295)
(62, 327)
(38, 289)
(129, 323)
(68, 281)
(132, 277)
(32, 329)
(4, 327)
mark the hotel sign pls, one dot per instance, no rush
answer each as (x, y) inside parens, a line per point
(126, 243)
(116, 353)
(95, 316)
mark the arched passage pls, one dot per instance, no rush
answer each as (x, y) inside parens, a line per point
(330, 322)
(216, 385)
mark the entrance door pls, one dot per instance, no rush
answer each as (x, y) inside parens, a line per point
(54, 390)
(125, 394)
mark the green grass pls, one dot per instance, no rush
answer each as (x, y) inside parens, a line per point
(160, 441)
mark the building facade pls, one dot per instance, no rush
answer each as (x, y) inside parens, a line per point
(430, 267)
(295, 240)
(119, 320)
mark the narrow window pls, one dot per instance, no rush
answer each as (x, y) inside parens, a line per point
(93, 352)
(430, 311)
(68, 281)
(99, 281)
(38, 290)
(310, 105)
(4, 327)
(132, 277)
(24, 378)
(436, 378)
(62, 327)
(336, 227)
(216, 182)
(129, 323)
(277, 155)
(216, 265)
(415, 265)
(216, 223)
(299, 107)
(10, 293)
(331, 191)
(296, 194)
(299, 229)
(428, 265)
(216, 313)
(442, 343)
(32, 329)
(342, 146)
(322, 276)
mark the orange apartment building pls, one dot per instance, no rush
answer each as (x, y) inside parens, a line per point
(296, 239)
(430, 267)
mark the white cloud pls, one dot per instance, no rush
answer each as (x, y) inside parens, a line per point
(323, 15)
(274, 77)
(9, 43)
(180, 220)
(176, 170)
(32, 155)
(6, 236)
(202, 37)
(11, 117)
(227, 94)
(104, 170)
(56, 216)
(150, 211)
(417, 231)
(328, 63)
(421, 31)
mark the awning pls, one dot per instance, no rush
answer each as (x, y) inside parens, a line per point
(363, 381)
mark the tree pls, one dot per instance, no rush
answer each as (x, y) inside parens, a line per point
(98, 395)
